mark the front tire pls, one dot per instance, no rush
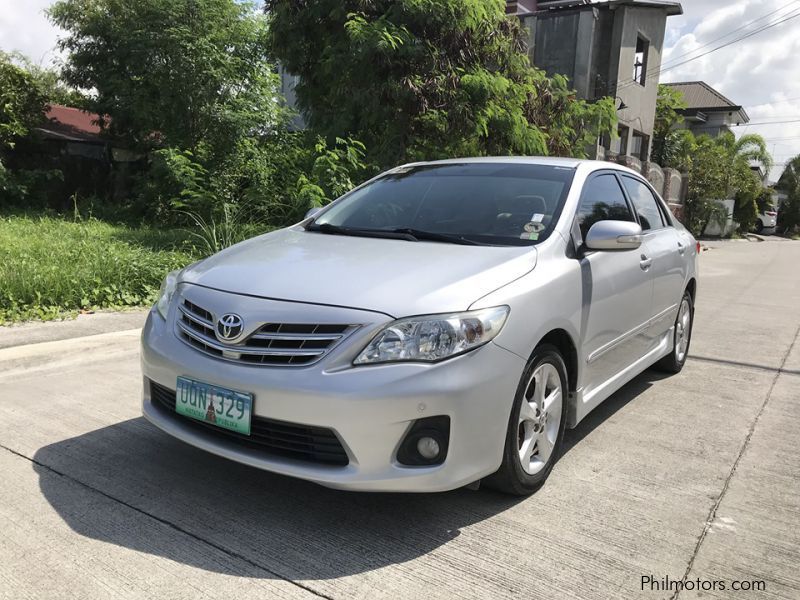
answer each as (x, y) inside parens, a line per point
(536, 426)
(681, 338)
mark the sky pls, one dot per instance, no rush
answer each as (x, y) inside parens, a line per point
(762, 72)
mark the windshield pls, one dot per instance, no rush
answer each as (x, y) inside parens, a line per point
(504, 204)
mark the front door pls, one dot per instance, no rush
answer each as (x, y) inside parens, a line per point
(617, 293)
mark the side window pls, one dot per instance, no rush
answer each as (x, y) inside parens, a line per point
(602, 200)
(645, 204)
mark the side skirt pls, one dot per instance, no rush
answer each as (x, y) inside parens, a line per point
(581, 405)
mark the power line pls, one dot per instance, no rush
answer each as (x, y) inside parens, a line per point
(782, 117)
(773, 102)
(747, 124)
(784, 18)
(725, 45)
(732, 31)
(766, 123)
(662, 68)
(793, 15)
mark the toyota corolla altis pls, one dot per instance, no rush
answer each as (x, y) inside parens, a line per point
(439, 325)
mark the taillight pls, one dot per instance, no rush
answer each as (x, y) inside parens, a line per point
(771, 213)
(698, 247)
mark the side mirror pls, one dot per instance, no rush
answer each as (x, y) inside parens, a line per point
(614, 235)
(312, 211)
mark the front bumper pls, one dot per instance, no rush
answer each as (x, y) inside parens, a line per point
(370, 409)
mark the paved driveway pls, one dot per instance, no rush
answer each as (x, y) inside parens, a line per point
(690, 477)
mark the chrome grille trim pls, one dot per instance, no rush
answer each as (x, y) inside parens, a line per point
(195, 329)
(290, 337)
(194, 318)
(244, 349)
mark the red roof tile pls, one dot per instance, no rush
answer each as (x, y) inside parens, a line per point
(72, 124)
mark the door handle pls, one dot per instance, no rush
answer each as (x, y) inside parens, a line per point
(681, 248)
(645, 262)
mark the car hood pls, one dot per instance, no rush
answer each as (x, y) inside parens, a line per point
(394, 277)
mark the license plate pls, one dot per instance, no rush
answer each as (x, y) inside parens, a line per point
(212, 404)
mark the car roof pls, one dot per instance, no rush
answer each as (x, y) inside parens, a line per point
(573, 163)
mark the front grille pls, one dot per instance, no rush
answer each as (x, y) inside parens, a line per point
(276, 438)
(292, 344)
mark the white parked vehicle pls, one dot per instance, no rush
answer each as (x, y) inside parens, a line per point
(441, 324)
(767, 220)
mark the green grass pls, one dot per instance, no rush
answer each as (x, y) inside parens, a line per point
(50, 267)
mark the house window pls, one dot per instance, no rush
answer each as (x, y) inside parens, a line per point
(621, 144)
(640, 60)
(640, 145)
(618, 144)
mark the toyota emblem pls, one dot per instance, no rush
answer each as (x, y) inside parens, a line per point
(229, 327)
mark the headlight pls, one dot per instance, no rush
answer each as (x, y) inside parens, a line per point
(433, 337)
(165, 293)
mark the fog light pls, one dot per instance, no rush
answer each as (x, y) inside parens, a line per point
(428, 448)
(426, 442)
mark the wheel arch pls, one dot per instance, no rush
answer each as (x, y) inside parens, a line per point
(691, 287)
(562, 340)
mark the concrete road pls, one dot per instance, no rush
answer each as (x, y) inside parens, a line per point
(690, 477)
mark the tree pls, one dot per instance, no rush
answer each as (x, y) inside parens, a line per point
(747, 151)
(667, 141)
(22, 105)
(789, 183)
(179, 73)
(48, 81)
(720, 168)
(188, 82)
(418, 79)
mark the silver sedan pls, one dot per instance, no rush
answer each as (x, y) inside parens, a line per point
(439, 325)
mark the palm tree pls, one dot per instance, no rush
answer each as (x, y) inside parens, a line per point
(720, 168)
(753, 148)
(741, 154)
(742, 183)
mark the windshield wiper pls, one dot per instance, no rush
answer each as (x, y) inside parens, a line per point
(401, 233)
(438, 237)
(370, 233)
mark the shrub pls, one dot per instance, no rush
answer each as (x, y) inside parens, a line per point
(51, 266)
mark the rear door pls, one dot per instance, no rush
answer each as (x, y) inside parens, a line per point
(617, 289)
(665, 248)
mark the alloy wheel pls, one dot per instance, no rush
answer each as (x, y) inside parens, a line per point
(683, 329)
(540, 418)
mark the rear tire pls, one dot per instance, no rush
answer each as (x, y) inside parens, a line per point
(536, 426)
(681, 337)
(759, 226)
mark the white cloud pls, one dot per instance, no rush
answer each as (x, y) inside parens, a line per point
(761, 73)
(24, 27)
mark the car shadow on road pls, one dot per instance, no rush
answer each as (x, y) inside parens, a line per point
(130, 485)
(610, 406)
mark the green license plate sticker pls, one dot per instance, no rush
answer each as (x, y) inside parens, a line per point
(218, 406)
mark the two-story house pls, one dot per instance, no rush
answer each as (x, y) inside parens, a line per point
(708, 111)
(610, 48)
